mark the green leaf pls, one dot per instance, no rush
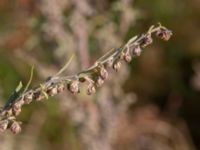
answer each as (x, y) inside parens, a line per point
(30, 79)
(14, 95)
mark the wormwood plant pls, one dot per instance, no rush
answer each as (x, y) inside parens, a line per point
(93, 76)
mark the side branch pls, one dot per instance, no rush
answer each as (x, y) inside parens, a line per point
(94, 76)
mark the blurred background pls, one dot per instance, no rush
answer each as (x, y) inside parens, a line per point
(151, 104)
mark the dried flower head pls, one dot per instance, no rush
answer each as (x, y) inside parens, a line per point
(73, 86)
(147, 40)
(17, 111)
(38, 95)
(116, 65)
(53, 90)
(95, 76)
(103, 72)
(99, 81)
(164, 34)
(91, 89)
(15, 127)
(16, 108)
(28, 97)
(3, 125)
(127, 57)
(60, 88)
(136, 50)
(109, 63)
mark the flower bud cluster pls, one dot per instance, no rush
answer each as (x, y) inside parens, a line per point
(164, 34)
(14, 126)
(94, 76)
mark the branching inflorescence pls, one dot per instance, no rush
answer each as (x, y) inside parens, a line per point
(94, 77)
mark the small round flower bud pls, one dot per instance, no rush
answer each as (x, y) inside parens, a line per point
(17, 111)
(99, 81)
(3, 125)
(15, 128)
(117, 65)
(127, 57)
(109, 63)
(137, 50)
(38, 95)
(103, 73)
(164, 34)
(52, 91)
(60, 88)
(146, 40)
(73, 87)
(91, 89)
(16, 108)
(28, 97)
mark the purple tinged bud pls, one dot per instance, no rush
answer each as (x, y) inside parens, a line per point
(164, 34)
(3, 125)
(127, 57)
(117, 65)
(147, 40)
(103, 73)
(73, 87)
(52, 91)
(16, 108)
(91, 89)
(28, 97)
(61, 88)
(137, 50)
(38, 95)
(99, 81)
(15, 127)
(109, 63)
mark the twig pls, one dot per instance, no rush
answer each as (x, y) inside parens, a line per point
(94, 76)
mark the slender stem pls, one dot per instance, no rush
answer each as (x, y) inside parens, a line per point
(7, 113)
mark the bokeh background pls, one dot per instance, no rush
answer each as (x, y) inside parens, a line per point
(151, 104)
